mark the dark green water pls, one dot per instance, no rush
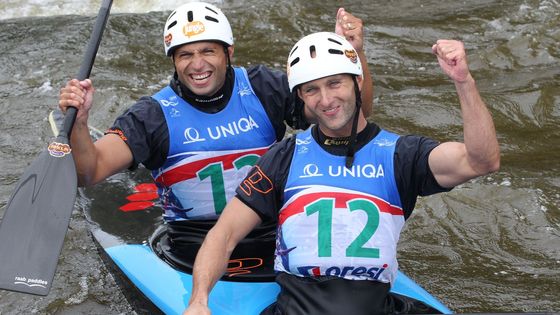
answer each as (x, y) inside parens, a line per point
(491, 245)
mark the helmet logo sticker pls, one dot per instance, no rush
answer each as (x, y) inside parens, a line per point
(167, 39)
(352, 55)
(193, 28)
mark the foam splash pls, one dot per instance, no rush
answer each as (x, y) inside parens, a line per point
(11, 9)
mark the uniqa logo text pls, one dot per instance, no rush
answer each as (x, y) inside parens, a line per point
(233, 128)
(367, 171)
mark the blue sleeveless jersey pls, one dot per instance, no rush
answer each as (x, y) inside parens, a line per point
(337, 221)
(210, 154)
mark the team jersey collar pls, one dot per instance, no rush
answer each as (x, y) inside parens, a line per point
(337, 146)
(209, 104)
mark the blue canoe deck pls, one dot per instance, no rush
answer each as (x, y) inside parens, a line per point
(169, 289)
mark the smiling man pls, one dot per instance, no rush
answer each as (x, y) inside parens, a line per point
(340, 191)
(201, 66)
(201, 134)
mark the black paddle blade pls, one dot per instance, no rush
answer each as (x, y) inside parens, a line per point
(36, 219)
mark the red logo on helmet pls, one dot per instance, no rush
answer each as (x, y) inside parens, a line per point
(352, 55)
(167, 39)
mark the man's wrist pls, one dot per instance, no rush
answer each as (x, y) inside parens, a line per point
(466, 83)
(199, 299)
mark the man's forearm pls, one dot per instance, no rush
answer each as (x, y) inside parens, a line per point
(367, 87)
(479, 132)
(210, 265)
(84, 153)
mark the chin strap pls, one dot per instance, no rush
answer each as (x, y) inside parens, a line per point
(227, 56)
(352, 141)
(299, 121)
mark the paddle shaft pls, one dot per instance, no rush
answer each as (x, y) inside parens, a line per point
(88, 60)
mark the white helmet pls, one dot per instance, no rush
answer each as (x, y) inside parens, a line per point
(320, 55)
(194, 22)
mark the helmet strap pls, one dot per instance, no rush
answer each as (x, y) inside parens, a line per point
(226, 51)
(352, 142)
(299, 121)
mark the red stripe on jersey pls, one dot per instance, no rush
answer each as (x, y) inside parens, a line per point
(189, 170)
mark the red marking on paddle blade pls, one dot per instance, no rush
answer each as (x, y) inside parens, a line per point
(143, 196)
(145, 187)
(137, 205)
(140, 200)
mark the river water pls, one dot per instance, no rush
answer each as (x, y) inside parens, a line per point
(490, 245)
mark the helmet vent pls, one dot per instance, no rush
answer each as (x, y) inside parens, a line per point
(171, 25)
(294, 62)
(335, 52)
(334, 41)
(312, 51)
(210, 9)
(210, 18)
(171, 15)
(190, 16)
(293, 50)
